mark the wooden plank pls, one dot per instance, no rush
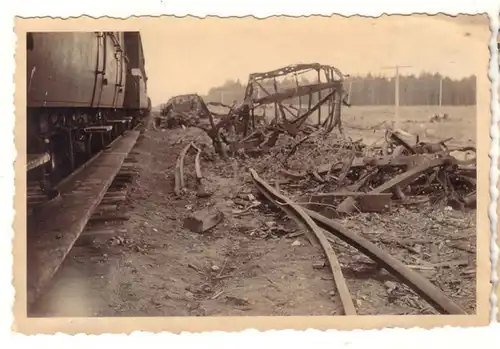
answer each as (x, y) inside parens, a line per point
(106, 217)
(88, 237)
(401, 180)
(115, 193)
(105, 208)
(98, 129)
(203, 220)
(36, 160)
(60, 223)
(104, 232)
(360, 162)
(117, 121)
(113, 200)
(385, 161)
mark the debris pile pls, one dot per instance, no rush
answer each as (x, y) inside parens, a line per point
(337, 176)
(369, 179)
(182, 111)
(319, 179)
(243, 129)
(322, 232)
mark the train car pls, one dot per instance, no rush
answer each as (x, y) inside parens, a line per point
(83, 90)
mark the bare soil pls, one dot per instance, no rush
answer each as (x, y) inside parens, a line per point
(255, 263)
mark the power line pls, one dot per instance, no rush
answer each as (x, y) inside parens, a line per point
(396, 91)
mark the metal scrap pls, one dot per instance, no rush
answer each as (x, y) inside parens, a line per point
(418, 283)
(182, 110)
(401, 180)
(403, 169)
(263, 89)
(179, 172)
(297, 213)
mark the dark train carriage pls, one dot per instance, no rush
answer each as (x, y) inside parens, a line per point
(75, 70)
(136, 91)
(83, 90)
(97, 70)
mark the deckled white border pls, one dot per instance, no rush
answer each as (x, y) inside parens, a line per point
(397, 338)
(494, 153)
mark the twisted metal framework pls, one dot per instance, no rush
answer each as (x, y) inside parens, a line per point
(263, 89)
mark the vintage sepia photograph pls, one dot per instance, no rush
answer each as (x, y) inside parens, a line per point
(189, 168)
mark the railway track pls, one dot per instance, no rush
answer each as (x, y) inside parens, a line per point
(321, 231)
(86, 201)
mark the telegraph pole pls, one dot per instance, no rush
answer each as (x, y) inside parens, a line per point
(440, 93)
(441, 78)
(396, 91)
(350, 91)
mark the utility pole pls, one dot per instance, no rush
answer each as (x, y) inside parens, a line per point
(440, 93)
(441, 78)
(350, 91)
(396, 91)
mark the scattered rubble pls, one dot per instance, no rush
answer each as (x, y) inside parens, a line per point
(179, 173)
(309, 219)
(439, 117)
(320, 180)
(204, 220)
(358, 178)
(241, 129)
(182, 111)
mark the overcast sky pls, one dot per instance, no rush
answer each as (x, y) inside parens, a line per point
(188, 55)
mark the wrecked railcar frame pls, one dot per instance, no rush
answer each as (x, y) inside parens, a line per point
(183, 104)
(263, 89)
(182, 110)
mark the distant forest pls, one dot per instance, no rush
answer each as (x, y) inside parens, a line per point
(374, 90)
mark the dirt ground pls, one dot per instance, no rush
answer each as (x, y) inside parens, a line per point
(254, 263)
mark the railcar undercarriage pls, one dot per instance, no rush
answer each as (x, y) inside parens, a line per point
(60, 141)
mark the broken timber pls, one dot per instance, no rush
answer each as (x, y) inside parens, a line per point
(361, 162)
(400, 180)
(203, 220)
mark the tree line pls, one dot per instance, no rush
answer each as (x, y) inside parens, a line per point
(373, 90)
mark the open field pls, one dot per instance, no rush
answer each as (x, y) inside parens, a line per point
(413, 119)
